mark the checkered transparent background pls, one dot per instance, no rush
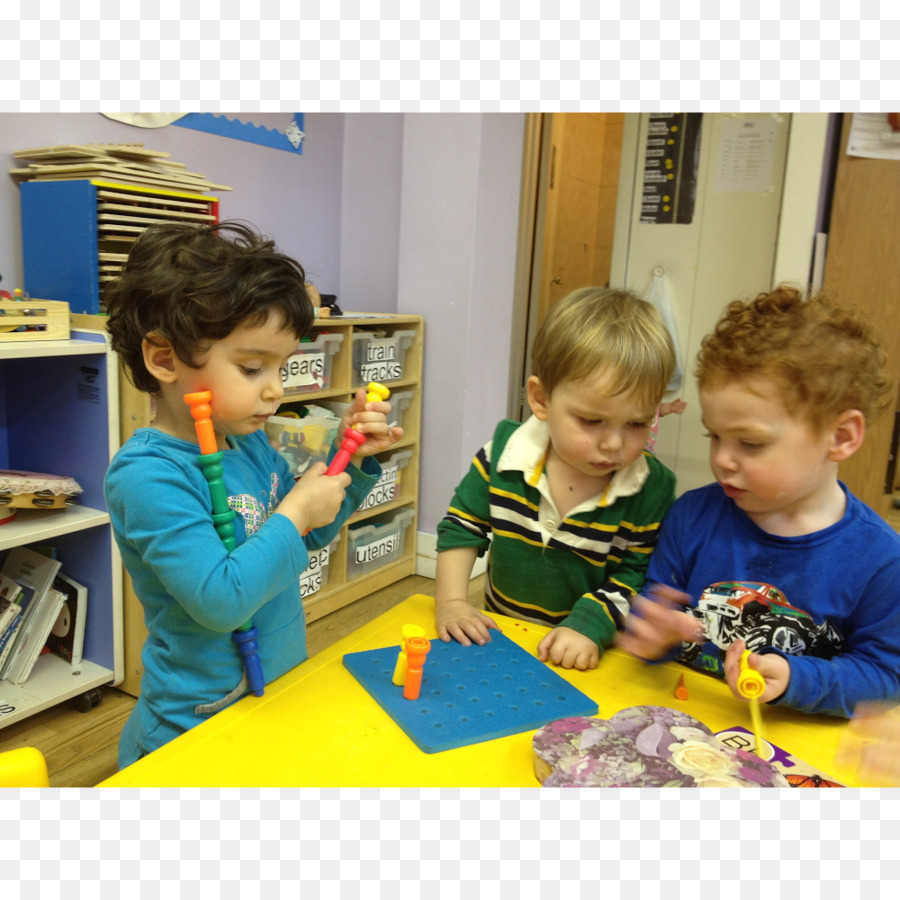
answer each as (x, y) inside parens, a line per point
(485, 55)
(543, 844)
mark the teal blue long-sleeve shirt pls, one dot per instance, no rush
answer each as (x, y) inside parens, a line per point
(193, 592)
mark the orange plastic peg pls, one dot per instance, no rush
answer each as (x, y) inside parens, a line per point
(416, 650)
(201, 411)
(681, 692)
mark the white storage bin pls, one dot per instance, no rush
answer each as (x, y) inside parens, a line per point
(316, 575)
(399, 404)
(309, 369)
(376, 543)
(380, 358)
(387, 488)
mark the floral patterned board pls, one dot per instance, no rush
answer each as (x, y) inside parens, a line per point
(644, 746)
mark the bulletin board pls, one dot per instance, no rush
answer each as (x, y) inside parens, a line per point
(280, 131)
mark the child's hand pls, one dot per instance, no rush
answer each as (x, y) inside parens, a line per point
(568, 648)
(657, 623)
(459, 620)
(774, 668)
(370, 419)
(675, 406)
(315, 499)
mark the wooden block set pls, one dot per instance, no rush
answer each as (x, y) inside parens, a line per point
(34, 320)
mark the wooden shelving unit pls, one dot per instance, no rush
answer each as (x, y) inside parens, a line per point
(59, 408)
(330, 371)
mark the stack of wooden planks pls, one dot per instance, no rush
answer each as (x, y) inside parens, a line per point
(119, 163)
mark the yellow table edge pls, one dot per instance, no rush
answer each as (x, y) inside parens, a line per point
(316, 726)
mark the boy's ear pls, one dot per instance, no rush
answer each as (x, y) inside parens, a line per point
(159, 358)
(538, 397)
(847, 435)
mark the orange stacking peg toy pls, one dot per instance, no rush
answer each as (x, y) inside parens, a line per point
(751, 685)
(406, 632)
(210, 462)
(416, 650)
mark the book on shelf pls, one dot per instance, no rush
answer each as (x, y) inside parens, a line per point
(9, 609)
(9, 589)
(32, 641)
(34, 573)
(66, 638)
(10, 613)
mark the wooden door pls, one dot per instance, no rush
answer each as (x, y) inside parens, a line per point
(581, 191)
(568, 220)
(862, 269)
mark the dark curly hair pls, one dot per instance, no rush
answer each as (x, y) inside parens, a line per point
(192, 284)
(825, 358)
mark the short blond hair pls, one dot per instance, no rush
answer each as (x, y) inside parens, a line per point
(596, 328)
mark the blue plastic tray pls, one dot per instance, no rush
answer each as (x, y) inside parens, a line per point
(470, 694)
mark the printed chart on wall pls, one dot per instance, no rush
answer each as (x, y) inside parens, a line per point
(746, 154)
(671, 162)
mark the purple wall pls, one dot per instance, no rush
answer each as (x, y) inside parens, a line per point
(414, 213)
(293, 198)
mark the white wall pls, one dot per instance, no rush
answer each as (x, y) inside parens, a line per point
(739, 243)
(458, 226)
(370, 211)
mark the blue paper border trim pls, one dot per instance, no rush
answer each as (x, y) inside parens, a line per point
(220, 124)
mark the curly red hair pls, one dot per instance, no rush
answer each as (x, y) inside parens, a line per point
(824, 357)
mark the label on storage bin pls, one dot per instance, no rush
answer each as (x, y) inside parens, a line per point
(377, 549)
(304, 370)
(309, 584)
(311, 580)
(381, 362)
(385, 489)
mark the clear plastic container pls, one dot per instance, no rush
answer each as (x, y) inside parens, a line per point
(302, 442)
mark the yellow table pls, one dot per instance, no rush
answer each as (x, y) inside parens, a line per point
(318, 727)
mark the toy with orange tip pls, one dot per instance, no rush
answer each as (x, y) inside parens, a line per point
(681, 692)
(751, 685)
(210, 462)
(406, 632)
(416, 650)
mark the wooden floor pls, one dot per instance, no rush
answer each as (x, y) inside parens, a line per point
(80, 748)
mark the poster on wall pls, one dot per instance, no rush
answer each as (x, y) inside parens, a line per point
(280, 131)
(671, 163)
(746, 154)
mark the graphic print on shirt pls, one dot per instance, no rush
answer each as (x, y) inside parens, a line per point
(761, 615)
(253, 510)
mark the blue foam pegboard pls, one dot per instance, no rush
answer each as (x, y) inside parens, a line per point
(470, 694)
